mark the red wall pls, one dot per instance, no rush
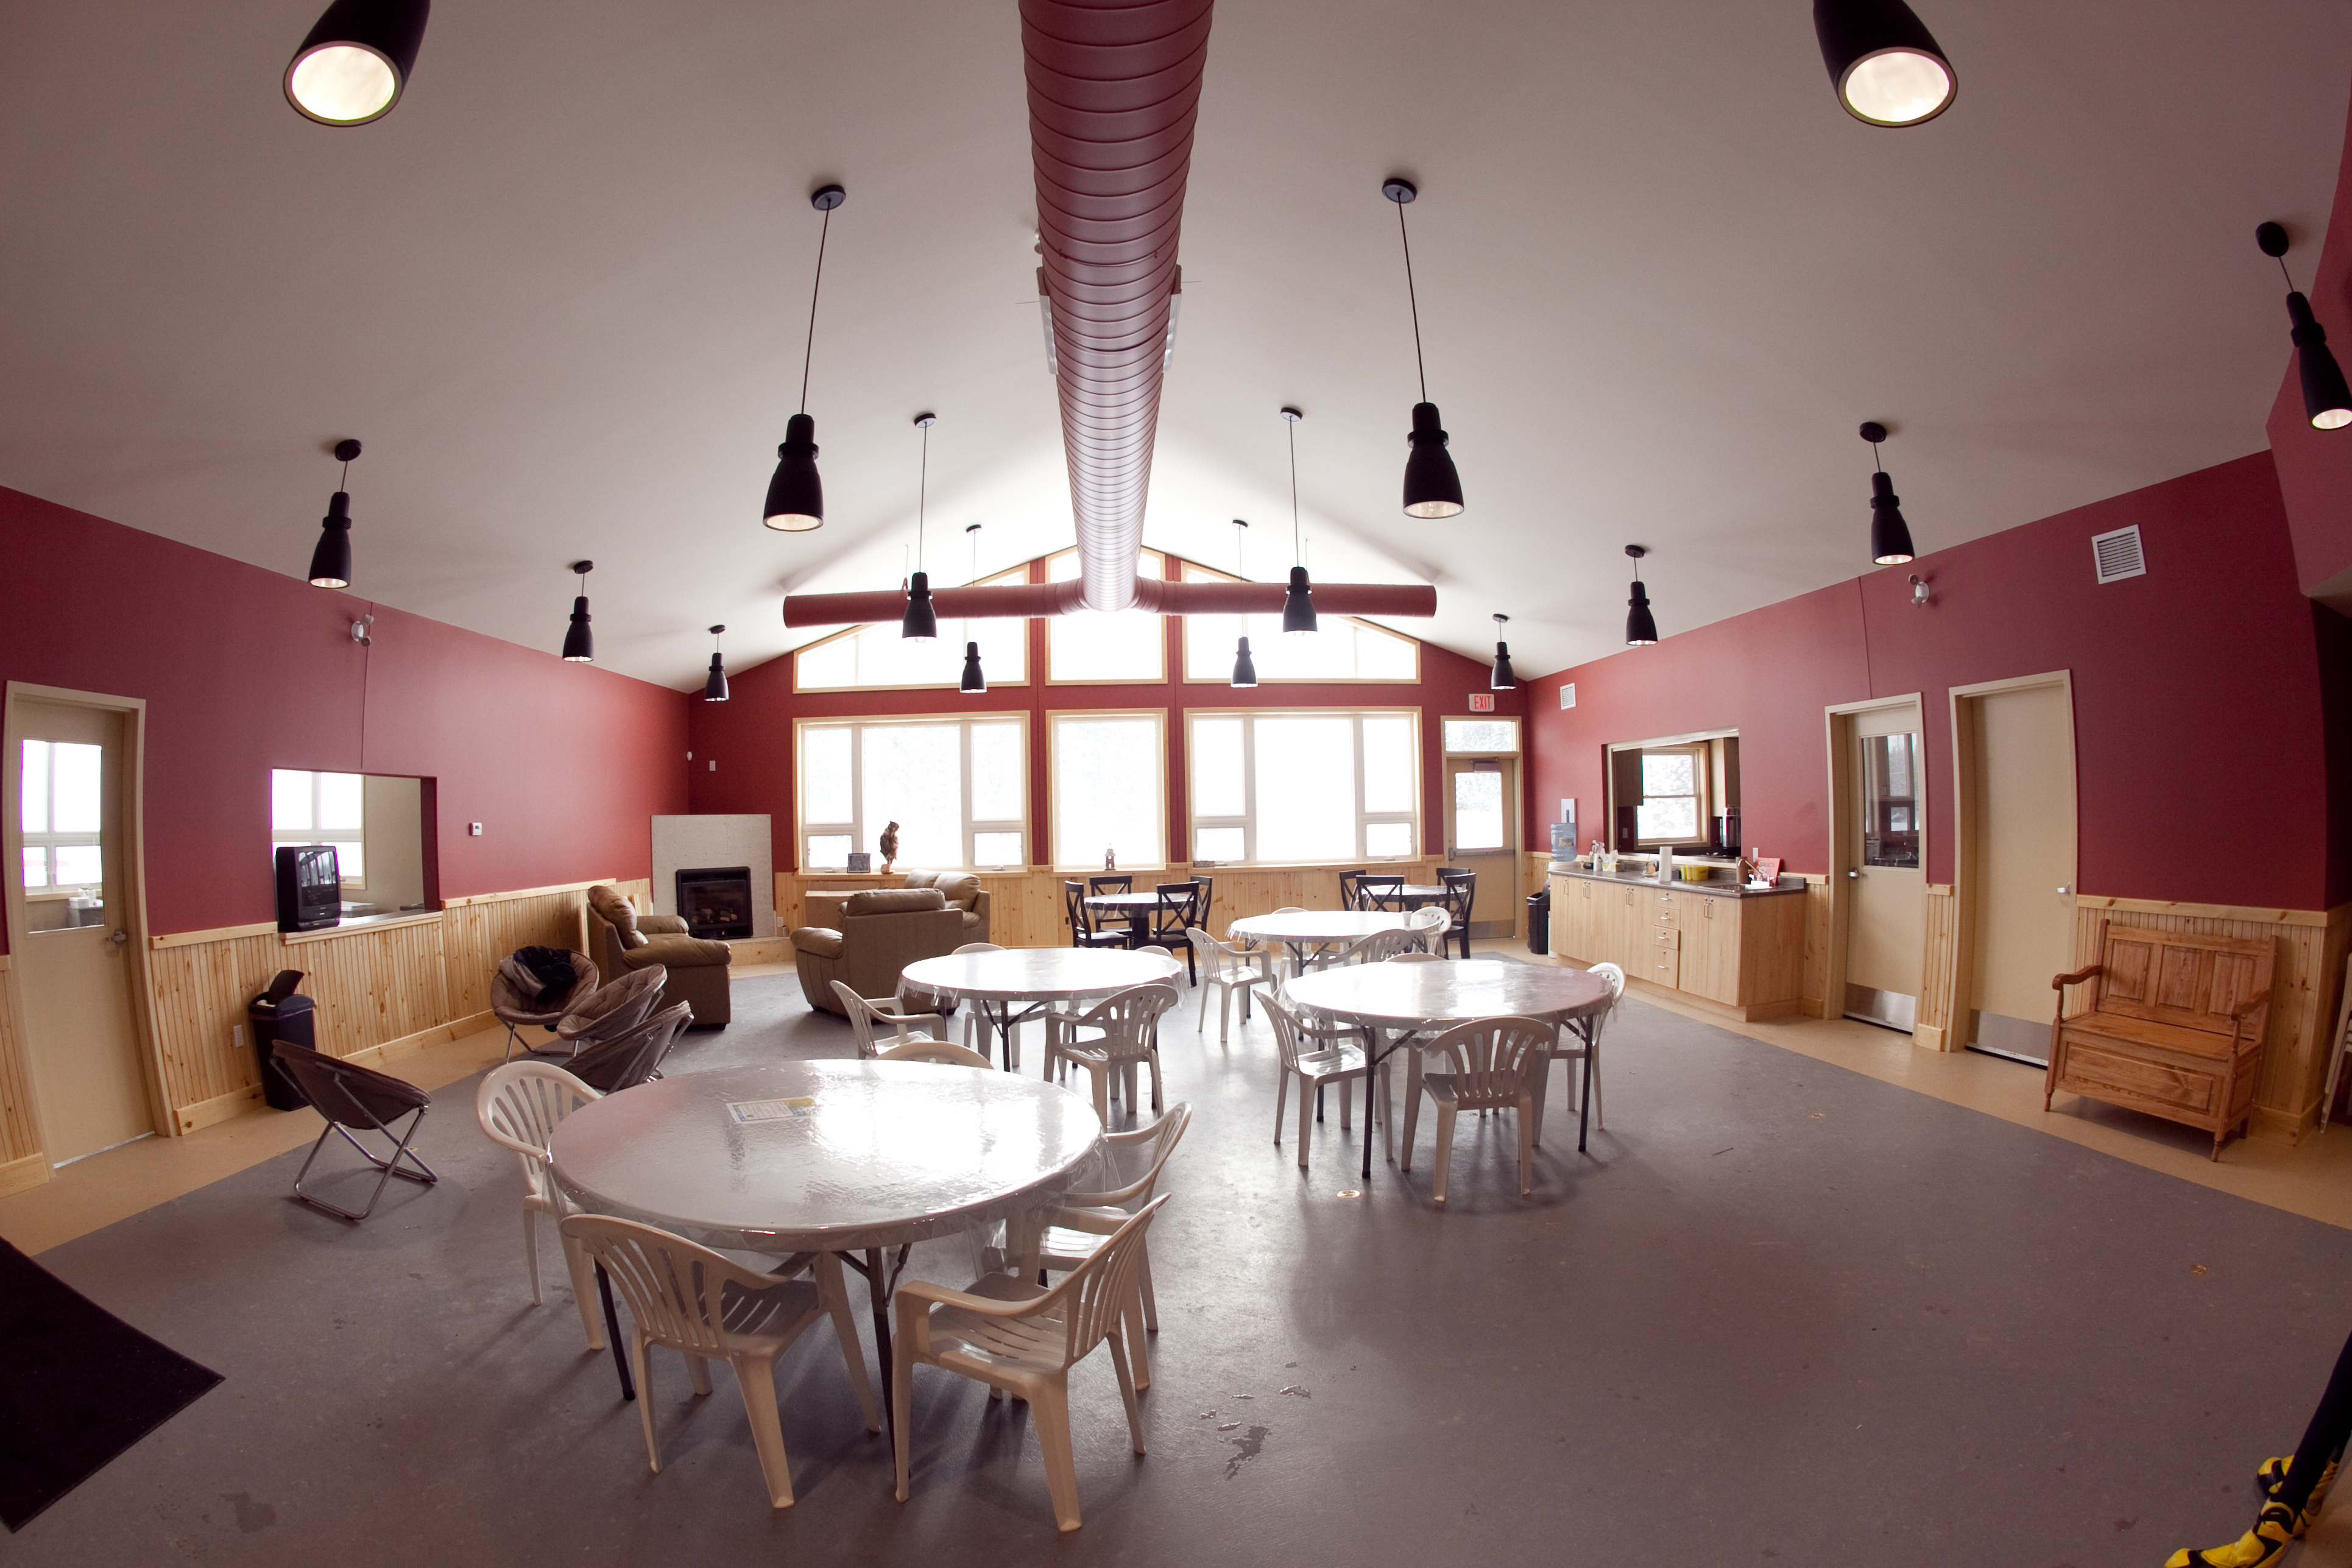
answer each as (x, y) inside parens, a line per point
(750, 735)
(244, 671)
(2201, 759)
(2314, 467)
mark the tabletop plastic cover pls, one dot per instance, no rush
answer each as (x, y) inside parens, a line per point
(1450, 993)
(1320, 925)
(1038, 973)
(883, 1154)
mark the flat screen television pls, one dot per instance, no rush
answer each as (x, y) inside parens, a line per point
(310, 887)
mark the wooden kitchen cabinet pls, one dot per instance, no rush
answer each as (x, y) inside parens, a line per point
(1744, 954)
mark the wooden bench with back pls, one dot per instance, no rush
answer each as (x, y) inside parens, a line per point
(2174, 1026)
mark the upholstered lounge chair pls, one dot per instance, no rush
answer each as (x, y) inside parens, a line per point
(623, 939)
(883, 930)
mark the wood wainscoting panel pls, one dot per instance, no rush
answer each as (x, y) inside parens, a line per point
(1940, 972)
(2311, 946)
(20, 1138)
(1814, 1002)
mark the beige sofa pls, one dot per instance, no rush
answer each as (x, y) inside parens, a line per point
(883, 930)
(623, 940)
(961, 889)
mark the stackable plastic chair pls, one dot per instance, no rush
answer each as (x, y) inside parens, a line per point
(944, 1052)
(1430, 922)
(1572, 1050)
(612, 1010)
(518, 1012)
(519, 1107)
(864, 1012)
(1379, 946)
(1008, 1334)
(629, 1059)
(1315, 1058)
(708, 1308)
(1227, 967)
(1126, 1029)
(1498, 1064)
(350, 1096)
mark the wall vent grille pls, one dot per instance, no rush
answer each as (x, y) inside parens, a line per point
(2117, 555)
(1568, 694)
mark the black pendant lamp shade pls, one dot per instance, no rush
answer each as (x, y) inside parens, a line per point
(918, 623)
(356, 63)
(1890, 536)
(715, 688)
(331, 562)
(579, 643)
(1298, 603)
(1432, 488)
(796, 494)
(1886, 67)
(1502, 679)
(973, 681)
(2326, 401)
(1244, 667)
(1641, 627)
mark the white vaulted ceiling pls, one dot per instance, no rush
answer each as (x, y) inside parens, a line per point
(560, 293)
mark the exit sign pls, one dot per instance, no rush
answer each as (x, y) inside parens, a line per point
(1482, 702)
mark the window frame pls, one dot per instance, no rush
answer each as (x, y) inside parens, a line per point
(1045, 564)
(1054, 716)
(1518, 734)
(279, 837)
(1247, 822)
(1011, 576)
(49, 840)
(1702, 772)
(856, 828)
(1193, 572)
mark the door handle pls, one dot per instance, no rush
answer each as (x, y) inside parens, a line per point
(120, 936)
(2066, 889)
(1853, 874)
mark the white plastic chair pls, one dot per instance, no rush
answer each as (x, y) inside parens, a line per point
(705, 1307)
(943, 1051)
(1126, 1026)
(1498, 1064)
(1229, 968)
(864, 1013)
(1379, 947)
(914, 1002)
(1572, 1050)
(1008, 1334)
(1315, 1058)
(1430, 924)
(519, 1107)
(1277, 952)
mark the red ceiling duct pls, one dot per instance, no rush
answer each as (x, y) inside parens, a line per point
(1209, 598)
(1112, 92)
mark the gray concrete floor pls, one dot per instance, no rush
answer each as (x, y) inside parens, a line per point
(1779, 1312)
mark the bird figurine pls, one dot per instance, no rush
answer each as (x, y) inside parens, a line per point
(889, 847)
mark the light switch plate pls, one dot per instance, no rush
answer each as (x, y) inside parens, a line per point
(474, 829)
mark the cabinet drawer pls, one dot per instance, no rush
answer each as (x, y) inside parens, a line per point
(1668, 937)
(2099, 1068)
(1665, 915)
(1666, 968)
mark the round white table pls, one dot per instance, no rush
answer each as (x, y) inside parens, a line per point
(824, 1156)
(1033, 979)
(1302, 928)
(1397, 1001)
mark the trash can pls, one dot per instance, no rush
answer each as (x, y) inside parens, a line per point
(278, 1014)
(1539, 921)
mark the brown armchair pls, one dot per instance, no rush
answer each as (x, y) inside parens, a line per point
(624, 939)
(882, 931)
(963, 893)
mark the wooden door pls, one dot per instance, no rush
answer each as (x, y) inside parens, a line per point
(2017, 848)
(1885, 810)
(71, 925)
(1482, 834)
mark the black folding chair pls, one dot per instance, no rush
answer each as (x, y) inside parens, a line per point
(1382, 893)
(629, 1059)
(1121, 883)
(1173, 917)
(1461, 892)
(1083, 932)
(1347, 888)
(1208, 886)
(351, 1095)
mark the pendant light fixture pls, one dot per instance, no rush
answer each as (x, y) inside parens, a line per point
(2327, 402)
(1890, 536)
(918, 623)
(1298, 603)
(974, 681)
(355, 62)
(796, 494)
(579, 643)
(1640, 628)
(1244, 667)
(1886, 67)
(1432, 488)
(715, 688)
(1502, 679)
(331, 562)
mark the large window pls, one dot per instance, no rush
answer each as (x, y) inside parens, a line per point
(58, 807)
(1130, 645)
(1304, 788)
(1341, 650)
(957, 787)
(876, 658)
(1111, 772)
(322, 808)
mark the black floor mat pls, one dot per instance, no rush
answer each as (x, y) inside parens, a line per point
(78, 1386)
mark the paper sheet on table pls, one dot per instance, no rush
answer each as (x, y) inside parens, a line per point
(749, 1110)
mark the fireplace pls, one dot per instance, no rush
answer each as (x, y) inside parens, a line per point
(716, 900)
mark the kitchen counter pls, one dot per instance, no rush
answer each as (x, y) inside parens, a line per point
(1725, 888)
(1719, 944)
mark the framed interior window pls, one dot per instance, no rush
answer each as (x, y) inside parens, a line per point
(876, 659)
(1677, 790)
(956, 783)
(1342, 650)
(1128, 648)
(1109, 787)
(322, 808)
(1488, 736)
(1308, 786)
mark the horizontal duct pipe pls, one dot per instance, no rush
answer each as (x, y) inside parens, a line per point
(1021, 600)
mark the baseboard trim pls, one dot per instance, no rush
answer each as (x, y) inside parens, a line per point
(2283, 1126)
(759, 950)
(220, 1108)
(19, 1176)
(1929, 1037)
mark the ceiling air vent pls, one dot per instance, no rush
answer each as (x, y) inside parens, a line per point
(1568, 694)
(2117, 555)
